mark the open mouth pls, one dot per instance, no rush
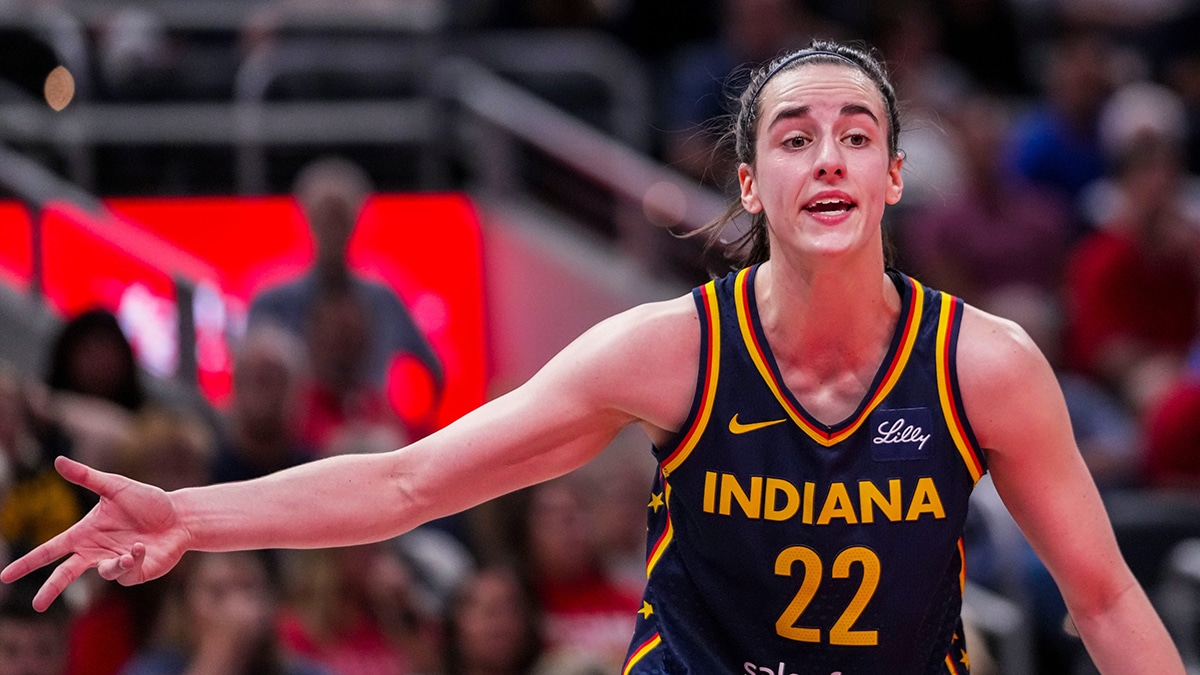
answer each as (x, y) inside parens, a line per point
(829, 207)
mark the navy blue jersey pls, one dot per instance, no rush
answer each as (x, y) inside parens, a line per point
(781, 545)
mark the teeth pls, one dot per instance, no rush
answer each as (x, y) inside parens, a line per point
(829, 205)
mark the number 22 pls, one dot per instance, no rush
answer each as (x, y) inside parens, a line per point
(842, 632)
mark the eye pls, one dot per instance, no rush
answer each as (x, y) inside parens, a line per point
(795, 142)
(857, 140)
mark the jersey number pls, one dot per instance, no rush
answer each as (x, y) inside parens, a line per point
(842, 632)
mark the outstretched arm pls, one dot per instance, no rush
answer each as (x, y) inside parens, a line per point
(636, 367)
(1017, 410)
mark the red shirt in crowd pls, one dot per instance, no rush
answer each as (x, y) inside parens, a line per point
(1119, 292)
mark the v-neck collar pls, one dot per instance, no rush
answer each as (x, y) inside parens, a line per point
(903, 337)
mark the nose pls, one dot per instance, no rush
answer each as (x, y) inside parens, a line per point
(829, 162)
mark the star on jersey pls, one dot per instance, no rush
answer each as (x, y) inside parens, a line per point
(646, 610)
(656, 501)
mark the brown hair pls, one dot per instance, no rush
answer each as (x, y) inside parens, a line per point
(753, 246)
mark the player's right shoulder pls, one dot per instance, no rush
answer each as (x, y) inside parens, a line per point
(642, 361)
(664, 329)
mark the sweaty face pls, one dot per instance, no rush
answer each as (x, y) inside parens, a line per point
(823, 171)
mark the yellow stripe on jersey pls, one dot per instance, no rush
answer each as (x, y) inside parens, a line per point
(665, 540)
(895, 368)
(641, 652)
(712, 320)
(962, 569)
(949, 408)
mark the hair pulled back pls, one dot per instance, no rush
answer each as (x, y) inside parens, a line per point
(753, 246)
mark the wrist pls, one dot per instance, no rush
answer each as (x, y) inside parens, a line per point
(195, 520)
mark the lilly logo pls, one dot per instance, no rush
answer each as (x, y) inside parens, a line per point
(901, 434)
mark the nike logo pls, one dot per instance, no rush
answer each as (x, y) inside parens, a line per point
(736, 427)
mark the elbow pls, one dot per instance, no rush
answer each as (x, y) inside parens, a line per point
(1099, 595)
(406, 497)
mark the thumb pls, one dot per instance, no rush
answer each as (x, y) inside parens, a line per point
(103, 484)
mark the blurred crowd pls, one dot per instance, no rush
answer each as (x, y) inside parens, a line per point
(543, 581)
(1052, 155)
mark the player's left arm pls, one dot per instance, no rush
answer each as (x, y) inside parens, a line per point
(1012, 397)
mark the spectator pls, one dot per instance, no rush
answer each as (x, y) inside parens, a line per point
(35, 502)
(618, 520)
(588, 615)
(351, 609)
(999, 232)
(331, 193)
(494, 627)
(224, 610)
(31, 643)
(169, 449)
(91, 356)
(1172, 433)
(340, 405)
(1132, 287)
(262, 425)
(1056, 144)
(95, 385)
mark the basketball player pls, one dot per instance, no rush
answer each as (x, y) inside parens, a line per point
(819, 422)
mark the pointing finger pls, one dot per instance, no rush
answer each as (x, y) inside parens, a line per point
(39, 557)
(62, 577)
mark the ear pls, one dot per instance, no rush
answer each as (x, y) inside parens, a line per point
(895, 181)
(750, 200)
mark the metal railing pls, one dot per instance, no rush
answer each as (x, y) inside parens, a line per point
(39, 188)
(450, 93)
(454, 98)
(254, 121)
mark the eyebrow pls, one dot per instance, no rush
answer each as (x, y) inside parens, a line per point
(848, 110)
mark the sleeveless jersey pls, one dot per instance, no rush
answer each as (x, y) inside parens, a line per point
(779, 545)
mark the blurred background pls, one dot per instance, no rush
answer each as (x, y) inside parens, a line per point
(240, 235)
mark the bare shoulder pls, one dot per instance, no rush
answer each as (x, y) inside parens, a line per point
(992, 349)
(652, 321)
(641, 362)
(1004, 378)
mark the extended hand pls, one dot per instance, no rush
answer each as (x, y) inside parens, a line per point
(132, 535)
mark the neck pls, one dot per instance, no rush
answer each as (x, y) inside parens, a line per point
(332, 272)
(830, 317)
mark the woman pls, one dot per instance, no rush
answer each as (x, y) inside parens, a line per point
(775, 530)
(494, 627)
(223, 621)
